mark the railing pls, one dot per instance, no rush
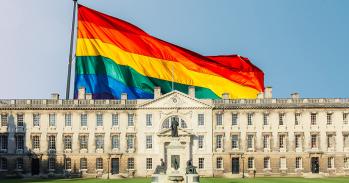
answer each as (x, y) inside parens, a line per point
(283, 101)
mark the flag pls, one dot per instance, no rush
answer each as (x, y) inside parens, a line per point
(114, 57)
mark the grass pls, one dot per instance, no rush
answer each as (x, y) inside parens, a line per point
(202, 180)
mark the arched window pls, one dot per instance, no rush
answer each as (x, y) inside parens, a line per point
(167, 122)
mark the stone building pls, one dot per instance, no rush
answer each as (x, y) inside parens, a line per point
(232, 138)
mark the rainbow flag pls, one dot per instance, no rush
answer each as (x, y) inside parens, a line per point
(114, 57)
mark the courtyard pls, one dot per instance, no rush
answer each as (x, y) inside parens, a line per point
(202, 180)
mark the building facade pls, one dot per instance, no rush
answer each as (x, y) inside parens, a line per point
(225, 137)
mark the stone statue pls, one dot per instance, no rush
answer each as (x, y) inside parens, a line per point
(174, 127)
(175, 161)
(161, 169)
(190, 168)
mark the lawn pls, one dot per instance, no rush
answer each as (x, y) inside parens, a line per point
(202, 180)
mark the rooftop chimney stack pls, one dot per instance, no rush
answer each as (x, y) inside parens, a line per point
(295, 95)
(157, 92)
(81, 93)
(88, 96)
(268, 92)
(225, 96)
(191, 91)
(55, 96)
(124, 96)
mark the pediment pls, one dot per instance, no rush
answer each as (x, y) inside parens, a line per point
(182, 132)
(175, 99)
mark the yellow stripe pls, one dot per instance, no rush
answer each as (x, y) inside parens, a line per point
(162, 69)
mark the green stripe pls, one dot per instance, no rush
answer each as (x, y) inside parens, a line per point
(127, 75)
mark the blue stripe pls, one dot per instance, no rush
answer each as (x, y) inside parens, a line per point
(105, 87)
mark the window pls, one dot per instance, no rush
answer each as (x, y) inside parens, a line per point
(19, 142)
(200, 141)
(219, 163)
(130, 141)
(148, 118)
(345, 118)
(265, 119)
(234, 119)
(130, 119)
(249, 118)
(313, 118)
(299, 162)
(3, 164)
(83, 141)
(83, 119)
(51, 163)
(250, 163)
(281, 118)
(149, 163)
(297, 117)
(234, 141)
(346, 140)
(201, 163)
(3, 142)
(219, 119)
(282, 141)
(20, 120)
(52, 120)
(67, 142)
(298, 141)
(283, 163)
(52, 142)
(130, 163)
(346, 162)
(68, 163)
(99, 119)
(83, 163)
(201, 119)
(99, 141)
(36, 142)
(330, 141)
(19, 163)
(266, 141)
(115, 119)
(115, 140)
(36, 119)
(99, 163)
(3, 119)
(330, 162)
(219, 143)
(149, 141)
(266, 163)
(250, 141)
(329, 119)
(67, 118)
(313, 141)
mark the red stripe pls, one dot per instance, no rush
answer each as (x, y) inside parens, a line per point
(132, 39)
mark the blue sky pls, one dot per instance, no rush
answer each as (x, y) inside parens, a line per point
(301, 45)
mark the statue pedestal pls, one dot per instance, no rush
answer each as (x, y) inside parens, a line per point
(176, 153)
(192, 178)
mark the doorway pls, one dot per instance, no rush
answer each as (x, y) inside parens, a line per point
(235, 165)
(35, 166)
(315, 165)
(115, 166)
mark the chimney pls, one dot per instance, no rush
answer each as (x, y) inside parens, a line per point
(225, 96)
(191, 91)
(260, 95)
(157, 92)
(81, 93)
(88, 96)
(55, 96)
(124, 96)
(295, 95)
(268, 92)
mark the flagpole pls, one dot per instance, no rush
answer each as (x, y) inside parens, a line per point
(172, 72)
(71, 51)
